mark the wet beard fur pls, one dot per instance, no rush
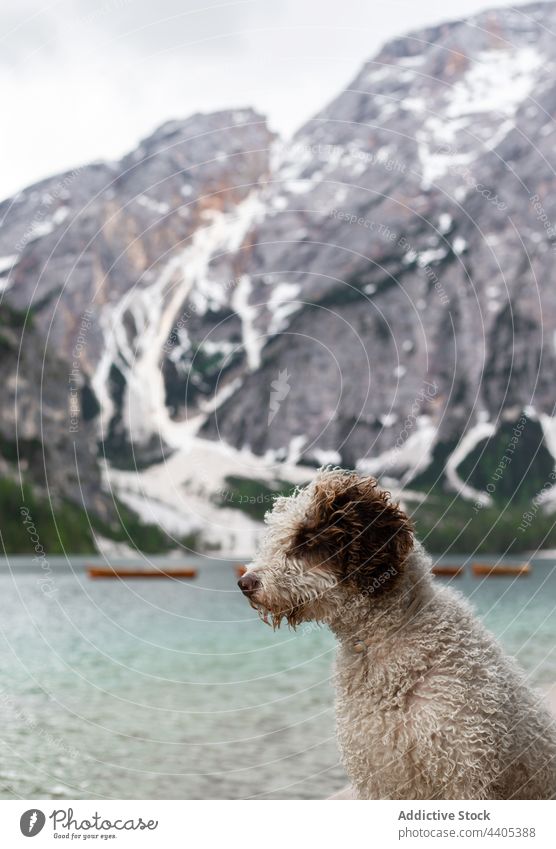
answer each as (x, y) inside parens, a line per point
(293, 615)
(318, 609)
(315, 605)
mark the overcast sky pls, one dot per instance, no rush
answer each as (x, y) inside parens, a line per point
(86, 79)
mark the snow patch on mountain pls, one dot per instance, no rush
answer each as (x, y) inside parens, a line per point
(476, 434)
(282, 304)
(188, 491)
(156, 310)
(497, 82)
(247, 313)
(8, 262)
(408, 457)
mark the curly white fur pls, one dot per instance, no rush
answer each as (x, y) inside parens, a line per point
(428, 706)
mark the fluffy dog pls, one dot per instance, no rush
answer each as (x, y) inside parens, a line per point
(428, 706)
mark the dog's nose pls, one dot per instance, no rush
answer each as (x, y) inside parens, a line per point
(248, 583)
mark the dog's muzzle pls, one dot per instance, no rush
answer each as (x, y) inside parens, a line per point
(249, 584)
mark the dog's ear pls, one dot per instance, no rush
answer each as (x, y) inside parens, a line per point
(353, 526)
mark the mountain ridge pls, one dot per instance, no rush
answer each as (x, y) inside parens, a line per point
(400, 240)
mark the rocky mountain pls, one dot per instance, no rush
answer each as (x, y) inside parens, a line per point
(223, 305)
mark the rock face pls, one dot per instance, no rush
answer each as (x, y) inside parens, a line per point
(92, 259)
(377, 292)
(409, 230)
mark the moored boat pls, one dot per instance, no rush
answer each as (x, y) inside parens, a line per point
(447, 570)
(501, 570)
(124, 572)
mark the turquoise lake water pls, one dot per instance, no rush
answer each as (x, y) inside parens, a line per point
(175, 689)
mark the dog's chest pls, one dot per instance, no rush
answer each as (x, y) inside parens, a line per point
(363, 693)
(370, 714)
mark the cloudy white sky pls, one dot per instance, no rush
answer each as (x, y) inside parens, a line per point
(86, 79)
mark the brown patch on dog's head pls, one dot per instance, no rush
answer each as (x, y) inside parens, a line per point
(353, 526)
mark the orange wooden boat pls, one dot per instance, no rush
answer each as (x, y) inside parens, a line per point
(445, 569)
(504, 570)
(116, 572)
(240, 570)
